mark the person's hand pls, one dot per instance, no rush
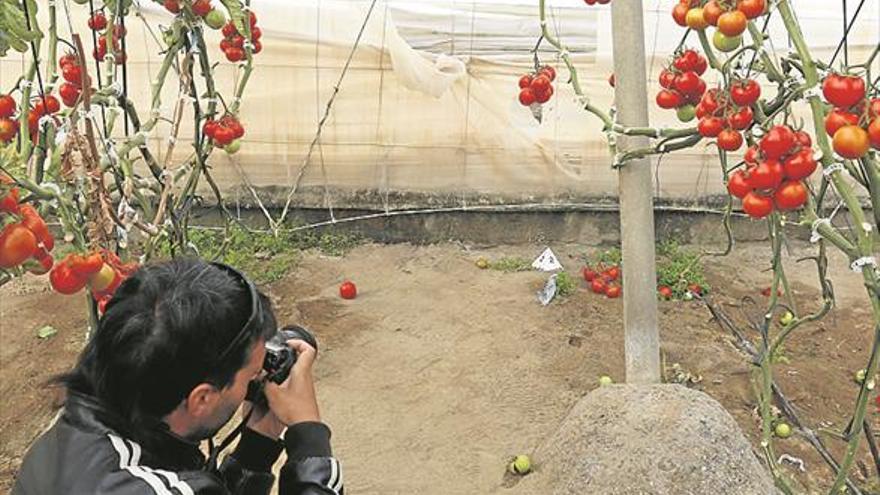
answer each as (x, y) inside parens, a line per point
(263, 420)
(295, 401)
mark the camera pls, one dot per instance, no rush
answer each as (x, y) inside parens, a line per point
(280, 358)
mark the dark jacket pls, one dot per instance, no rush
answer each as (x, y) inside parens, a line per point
(89, 451)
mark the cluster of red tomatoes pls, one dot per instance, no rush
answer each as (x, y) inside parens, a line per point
(232, 44)
(682, 85)
(604, 280)
(537, 87)
(225, 132)
(775, 170)
(45, 105)
(594, 2)
(101, 270)
(98, 22)
(724, 114)
(25, 240)
(729, 18)
(72, 73)
(854, 123)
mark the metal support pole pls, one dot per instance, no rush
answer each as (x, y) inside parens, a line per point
(642, 341)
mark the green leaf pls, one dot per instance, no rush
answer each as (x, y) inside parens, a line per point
(46, 332)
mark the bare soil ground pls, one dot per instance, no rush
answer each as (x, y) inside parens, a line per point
(439, 372)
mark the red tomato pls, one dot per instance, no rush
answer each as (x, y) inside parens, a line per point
(702, 65)
(800, 165)
(67, 58)
(544, 96)
(229, 30)
(874, 133)
(803, 139)
(235, 54)
(35, 223)
(668, 99)
(598, 286)
(253, 19)
(201, 7)
(730, 140)
(234, 124)
(665, 292)
(97, 22)
(738, 184)
(745, 93)
(791, 195)
(223, 135)
(667, 79)
(119, 32)
(757, 206)
(69, 93)
(8, 129)
(767, 175)
(64, 281)
(613, 272)
(874, 108)
(72, 73)
(87, 266)
(710, 100)
(589, 274)
(525, 81)
(47, 104)
(526, 96)
(548, 71)
(257, 33)
(711, 12)
(688, 83)
(695, 289)
(838, 118)
(540, 84)
(843, 91)
(742, 119)
(347, 290)
(752, 155)
(209, 127)
(710, 126)
(258, 47)
(7, 106)
(851, 142)
(752, 8)
(612, 81)
(687, 61)
(732, 23)
(679, 14)
(778, 142)
(9, 201)
(172, 6)
(17, 244)
(612, 291)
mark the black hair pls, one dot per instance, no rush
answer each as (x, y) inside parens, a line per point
(162, 334)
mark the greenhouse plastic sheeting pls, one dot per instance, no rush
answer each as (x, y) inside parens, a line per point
(427, 113)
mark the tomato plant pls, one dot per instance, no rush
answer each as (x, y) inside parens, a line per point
(754, 104)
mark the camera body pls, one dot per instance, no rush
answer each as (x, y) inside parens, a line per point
(280, 358)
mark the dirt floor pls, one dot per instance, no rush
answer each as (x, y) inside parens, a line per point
(439, 372)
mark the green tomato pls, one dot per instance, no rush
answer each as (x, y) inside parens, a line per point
(786, 319)
(605, 380)
(80, 2)
(783, 430)
(686, 113)
(860, 376)
(726, 43)
(215, 19)
(233, 147)
(521, 464)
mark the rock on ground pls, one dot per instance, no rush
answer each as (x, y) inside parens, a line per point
(654, 439)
